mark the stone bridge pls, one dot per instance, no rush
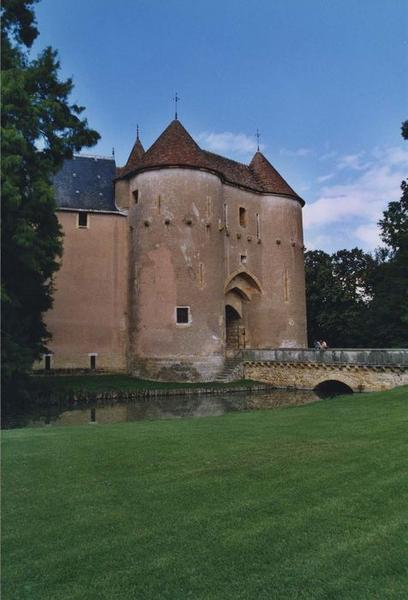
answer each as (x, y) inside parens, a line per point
(356, 370)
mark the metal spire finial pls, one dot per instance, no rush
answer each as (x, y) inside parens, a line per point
(176, 99)
(137, 131)
(113, 152)
(258, 136)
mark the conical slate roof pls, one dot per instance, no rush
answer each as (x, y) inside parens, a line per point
(176, 147)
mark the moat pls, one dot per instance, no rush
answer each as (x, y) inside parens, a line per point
(166, 407)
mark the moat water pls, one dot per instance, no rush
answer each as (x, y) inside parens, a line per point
(165, 407)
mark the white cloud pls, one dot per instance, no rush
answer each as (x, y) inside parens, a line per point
(369, 234)
(328, 155)
(357, 162)
(298, 152)
(228, 143)
(324, 178)
(351, 210)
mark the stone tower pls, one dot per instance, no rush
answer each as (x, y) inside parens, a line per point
(215, 258)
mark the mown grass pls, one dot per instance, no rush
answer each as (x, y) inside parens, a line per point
(304, 502)
(106, 383)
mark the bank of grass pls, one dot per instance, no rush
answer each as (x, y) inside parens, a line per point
(294, 503)
(123, 383)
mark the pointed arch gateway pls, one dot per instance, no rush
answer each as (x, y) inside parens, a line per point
(240, 288)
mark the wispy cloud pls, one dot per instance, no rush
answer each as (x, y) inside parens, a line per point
(328, 155)
(228, 143)
(351, 210)
(357, 162)
(324, 178)
(300, 152)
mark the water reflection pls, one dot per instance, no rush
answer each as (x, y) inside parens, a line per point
(168, 407)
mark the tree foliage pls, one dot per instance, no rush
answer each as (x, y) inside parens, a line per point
(355, 299)
(40, 128)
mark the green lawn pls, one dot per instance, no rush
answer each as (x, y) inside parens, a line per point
(304, 502)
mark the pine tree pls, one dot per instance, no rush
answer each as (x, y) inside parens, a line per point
(40, 128)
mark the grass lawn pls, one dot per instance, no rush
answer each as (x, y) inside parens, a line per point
(114, 382)
(303, 502)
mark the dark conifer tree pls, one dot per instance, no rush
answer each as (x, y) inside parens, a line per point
(40, 128)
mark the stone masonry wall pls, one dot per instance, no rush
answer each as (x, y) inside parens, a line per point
(309, 375)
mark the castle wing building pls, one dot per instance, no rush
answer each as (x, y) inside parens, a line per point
(175, 261)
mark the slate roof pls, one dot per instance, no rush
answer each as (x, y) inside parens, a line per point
(86, 183)
(176, 147)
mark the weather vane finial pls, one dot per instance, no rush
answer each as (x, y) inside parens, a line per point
(113, 152)
(258, 136)
(176, 99)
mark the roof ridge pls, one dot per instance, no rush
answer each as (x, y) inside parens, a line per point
(237, 162)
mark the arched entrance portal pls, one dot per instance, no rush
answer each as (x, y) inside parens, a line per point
(232, 329)
(240, 289)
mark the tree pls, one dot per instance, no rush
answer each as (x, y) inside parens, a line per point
(389, 311)
(338, 293)
(40, 128)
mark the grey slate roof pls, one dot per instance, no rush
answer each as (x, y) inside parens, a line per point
(86, 183)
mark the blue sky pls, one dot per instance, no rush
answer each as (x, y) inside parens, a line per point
(324, 81)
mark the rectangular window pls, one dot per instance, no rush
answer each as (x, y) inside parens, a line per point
(244, 259)
(183, 315)
(47, 362)
(242, 216)
(135, 195)
(83, 220)
(92, 360)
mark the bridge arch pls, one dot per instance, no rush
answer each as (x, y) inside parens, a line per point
(332, 387)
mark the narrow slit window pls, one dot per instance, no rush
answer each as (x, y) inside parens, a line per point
(258, 227)
(47, 362)
(135, 194)
(159, 202)
(83, 221)
(286, 285)
(226, 216)
(92, 359)
(242, 216)
(182, 315)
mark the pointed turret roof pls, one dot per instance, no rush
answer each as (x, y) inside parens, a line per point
(268, 176)
(176, 147)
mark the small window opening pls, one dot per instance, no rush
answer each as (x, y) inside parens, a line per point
(83, 219)
(47, 362)
(135, 194)
(92, 358)
(258, 227)
(244, 259)
(242, 216)
(182, 314)
(93, 415)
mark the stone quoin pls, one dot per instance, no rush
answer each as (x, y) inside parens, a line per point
(175, 262)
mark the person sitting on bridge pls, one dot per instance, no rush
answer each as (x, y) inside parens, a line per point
(323, 345)
(316, 345)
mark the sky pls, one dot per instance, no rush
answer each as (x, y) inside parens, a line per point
(324, 81)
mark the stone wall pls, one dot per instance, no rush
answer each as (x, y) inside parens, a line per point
(90, 298)
(307, 375)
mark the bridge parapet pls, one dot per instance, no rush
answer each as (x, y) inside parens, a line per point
(359, 369)
(391, 357)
